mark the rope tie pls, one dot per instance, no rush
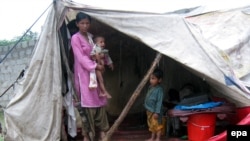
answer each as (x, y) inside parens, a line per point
(201, 126)
(20, 76)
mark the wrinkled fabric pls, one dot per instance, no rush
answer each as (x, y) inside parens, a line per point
(182, 39)
(153, 124)
(71, 115)
(153, 100)
(35, 112)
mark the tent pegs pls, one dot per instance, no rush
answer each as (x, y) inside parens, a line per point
(133, 98)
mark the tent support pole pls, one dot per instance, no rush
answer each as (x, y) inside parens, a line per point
(133, 98)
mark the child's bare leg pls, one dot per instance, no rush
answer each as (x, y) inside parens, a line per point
(102, 135)
(101, 83)
(152, 137)
(85, 139)
(158, 136)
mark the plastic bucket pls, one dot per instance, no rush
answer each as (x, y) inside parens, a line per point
(201, 126)
(242, 112)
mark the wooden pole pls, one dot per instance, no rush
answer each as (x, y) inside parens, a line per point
(133, 98)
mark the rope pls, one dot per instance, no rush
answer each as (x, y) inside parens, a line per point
(20, 76)
(202, 127)
(6, 55)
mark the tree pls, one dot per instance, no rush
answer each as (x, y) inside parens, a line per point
(4, 42)
(27, 37)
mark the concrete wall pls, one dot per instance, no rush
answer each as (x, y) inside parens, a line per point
(11, 67)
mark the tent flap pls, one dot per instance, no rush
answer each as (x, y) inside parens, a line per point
(35, 113)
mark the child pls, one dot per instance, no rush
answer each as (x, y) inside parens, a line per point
(100, 41)
(102, 58)
(153, 105)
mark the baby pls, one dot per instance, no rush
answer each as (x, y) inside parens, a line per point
(101, 56)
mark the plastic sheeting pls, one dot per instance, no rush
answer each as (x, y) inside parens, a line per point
(35, 113)
(183, 41)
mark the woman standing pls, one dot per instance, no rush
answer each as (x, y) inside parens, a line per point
(92, 104)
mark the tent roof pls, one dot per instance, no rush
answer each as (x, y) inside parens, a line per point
(222, 30)
(163, 6)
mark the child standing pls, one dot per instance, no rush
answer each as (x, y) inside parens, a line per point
(101, 56)
(153, 105)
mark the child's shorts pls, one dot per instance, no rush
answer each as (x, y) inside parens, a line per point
(153, 124)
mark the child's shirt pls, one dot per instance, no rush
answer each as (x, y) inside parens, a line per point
(107, 59)
(153, 100)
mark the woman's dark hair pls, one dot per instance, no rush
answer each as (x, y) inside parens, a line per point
(158, 73)
(81, 16)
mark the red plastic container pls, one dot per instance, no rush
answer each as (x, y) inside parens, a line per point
(242, 112)
(201, 126)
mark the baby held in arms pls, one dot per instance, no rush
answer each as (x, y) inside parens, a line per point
(101, 56)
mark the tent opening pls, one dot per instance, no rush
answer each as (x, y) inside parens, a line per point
(132, 59)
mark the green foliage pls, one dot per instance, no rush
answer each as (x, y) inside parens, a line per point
(3, 124)
(4, 42)
(27, 37)
(2, 117)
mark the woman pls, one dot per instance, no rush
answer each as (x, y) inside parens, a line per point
(92, 104)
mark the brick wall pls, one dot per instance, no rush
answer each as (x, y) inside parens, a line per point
(11, 67)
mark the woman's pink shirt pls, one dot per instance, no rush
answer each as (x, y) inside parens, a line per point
(82, 67)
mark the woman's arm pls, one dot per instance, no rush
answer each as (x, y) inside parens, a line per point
(81, 54)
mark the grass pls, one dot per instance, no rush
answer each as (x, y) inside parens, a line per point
(2, 123)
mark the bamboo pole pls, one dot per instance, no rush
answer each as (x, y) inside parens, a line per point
(132, 98)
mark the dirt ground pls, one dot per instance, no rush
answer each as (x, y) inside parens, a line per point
(122, 134)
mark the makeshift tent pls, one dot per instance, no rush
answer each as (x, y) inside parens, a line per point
(211, 50)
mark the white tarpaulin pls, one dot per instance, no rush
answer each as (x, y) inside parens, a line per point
(34, 114)
(213, 46)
